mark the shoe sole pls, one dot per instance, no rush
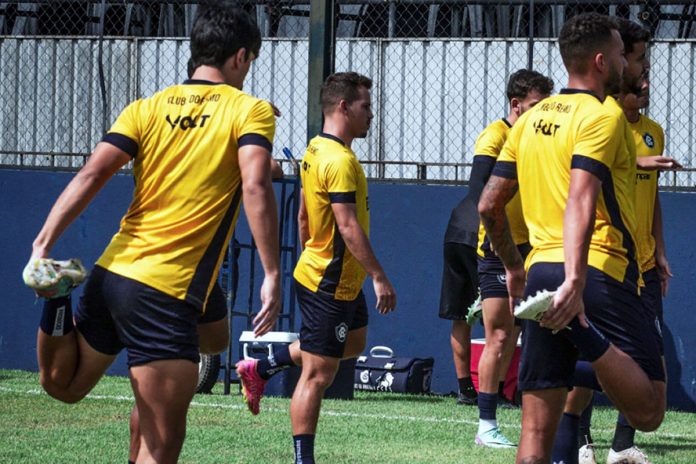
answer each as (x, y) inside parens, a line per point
(534, 307)
(480, 442)
(243, 378)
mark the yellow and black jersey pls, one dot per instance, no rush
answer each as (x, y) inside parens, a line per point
(184, 143)
(488, 145)
(330, 174)
(574, 130)
(650, 141)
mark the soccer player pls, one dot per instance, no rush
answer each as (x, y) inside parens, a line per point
(581, 225)
(334, 230)
(196, 148)
(524, 90)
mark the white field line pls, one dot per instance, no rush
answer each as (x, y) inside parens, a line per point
(328, 412)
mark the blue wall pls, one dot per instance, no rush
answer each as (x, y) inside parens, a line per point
(408, 223)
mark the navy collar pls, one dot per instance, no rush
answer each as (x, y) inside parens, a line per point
(575, 91)
(201, 82)
(332, 137)
(507, 123)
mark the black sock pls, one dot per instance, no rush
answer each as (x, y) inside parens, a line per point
(465, 384)
(624, 435)
(488, 405)
(591, 342)
(584, 376)
(584, 435)
(501, 388)
(56, 318)
(275, 362)
(564, 445)
(304, 448)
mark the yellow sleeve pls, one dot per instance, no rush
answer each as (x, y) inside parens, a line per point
(340, 178)
(600, 137)
(489, 143)
(508, 153)
(260, 121)
(127, 123)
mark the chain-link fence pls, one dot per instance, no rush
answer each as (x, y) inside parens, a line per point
(439, 66)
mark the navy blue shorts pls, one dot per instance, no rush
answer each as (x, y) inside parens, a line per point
(614, 308)
(116, 312)
(491, 274)
(651, 295)
(459, 281)
(327, 321)
(216, 309)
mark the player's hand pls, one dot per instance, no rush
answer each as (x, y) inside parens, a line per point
(515, 280)
(664, 272)
(270, 306)
(657, 163)
(276, 111)
(567, 304)
(386, 295)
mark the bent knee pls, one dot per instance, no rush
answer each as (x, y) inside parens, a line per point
(647, 421)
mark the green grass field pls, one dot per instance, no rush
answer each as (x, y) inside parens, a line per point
(373, 428)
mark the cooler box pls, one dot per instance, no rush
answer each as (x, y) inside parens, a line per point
(510, 388)
(283, 383)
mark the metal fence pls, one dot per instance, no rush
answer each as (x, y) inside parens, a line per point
(69, 67)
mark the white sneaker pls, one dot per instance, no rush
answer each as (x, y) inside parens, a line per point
(632, 455)
(492, 438)
(586, 454)
(535, 306)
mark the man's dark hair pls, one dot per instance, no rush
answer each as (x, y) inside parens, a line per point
(220, 30)
(632, 33)
(523, 81)
(342, 86)
(582, 37)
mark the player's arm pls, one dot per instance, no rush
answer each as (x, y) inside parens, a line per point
(262, 214)
(480, 173)
(496, 194)
(359, 246)
(303, 221)
(105, 160)
(578, 223)
(663, 269)
(655, 163)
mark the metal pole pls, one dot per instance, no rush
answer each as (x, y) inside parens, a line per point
(530, 39)
(322, 39)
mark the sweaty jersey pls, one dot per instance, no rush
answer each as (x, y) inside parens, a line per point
(330, 174)
(650, 141)
(574, 130)
(489, 144)
(184, 142)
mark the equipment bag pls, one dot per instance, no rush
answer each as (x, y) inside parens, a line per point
(381, 371)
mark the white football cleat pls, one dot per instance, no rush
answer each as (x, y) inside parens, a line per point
(632, 455)
(51, 278)
(535, 306)
(586, 454)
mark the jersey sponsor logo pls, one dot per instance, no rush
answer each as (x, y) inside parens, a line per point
(341, 332)
(306, 166)
(546, 128)
(642, 176)
(649, 140)
(187, 122)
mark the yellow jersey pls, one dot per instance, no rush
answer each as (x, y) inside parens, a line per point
(330, 174)
(184, 142)
(489, 143)
(574, 130)
(650, 141)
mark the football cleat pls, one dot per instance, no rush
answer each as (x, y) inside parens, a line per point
(586, 454)
(632, 455)
(252, 384)
(51, 278)
(474, 312)
(493, 439)
(534, 307)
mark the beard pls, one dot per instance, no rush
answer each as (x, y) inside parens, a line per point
(614, 83)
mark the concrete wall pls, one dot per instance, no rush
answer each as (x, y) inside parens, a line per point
(408, 223)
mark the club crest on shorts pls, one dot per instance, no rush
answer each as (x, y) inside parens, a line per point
(341, 332)
(502, 278)
(649, 140)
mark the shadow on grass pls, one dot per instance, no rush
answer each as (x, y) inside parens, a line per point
(382, 396)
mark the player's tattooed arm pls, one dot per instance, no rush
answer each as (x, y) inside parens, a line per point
(496, 194)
